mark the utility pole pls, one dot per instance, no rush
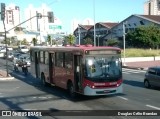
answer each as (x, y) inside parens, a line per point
(79, 35)
(124, 43)
(3, 10)
(6, 48)
(94, 23)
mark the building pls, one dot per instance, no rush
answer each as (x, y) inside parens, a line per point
(87, 31)
(129, 24)
(152, 7)
(75, 23)
(12, 17)
(81, 32)
(41, 24)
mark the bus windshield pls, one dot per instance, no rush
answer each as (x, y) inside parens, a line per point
(102, 67)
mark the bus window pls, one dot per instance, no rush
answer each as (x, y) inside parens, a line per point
(46, 58)
(32, 55)
(68, 60)
(41, 57)
(103, 66)
(59, 59)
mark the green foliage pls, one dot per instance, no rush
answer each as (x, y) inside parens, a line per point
(88, 41)
(8, 41)
(70, 39)
(49, 40)
(18, 29)
(135, 52)
(54, 42)
(144, 37)
(24, 42)
(34, 41)
(112, 42)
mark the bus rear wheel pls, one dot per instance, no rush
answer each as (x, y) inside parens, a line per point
(72, 94)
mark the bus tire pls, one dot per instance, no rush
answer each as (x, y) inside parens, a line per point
(43, 80)
(71, 92)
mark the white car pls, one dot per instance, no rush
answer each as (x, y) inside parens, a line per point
(23, 48)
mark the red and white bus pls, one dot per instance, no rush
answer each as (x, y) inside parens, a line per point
(85, 70)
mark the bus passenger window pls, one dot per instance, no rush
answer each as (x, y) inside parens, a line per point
(68, 60)
(46, 58)
(59, 59)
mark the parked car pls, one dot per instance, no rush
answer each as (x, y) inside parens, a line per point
(152, 77)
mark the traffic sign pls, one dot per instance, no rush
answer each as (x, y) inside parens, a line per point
(55, 27)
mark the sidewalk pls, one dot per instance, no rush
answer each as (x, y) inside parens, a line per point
(143, 65)
(3, 75)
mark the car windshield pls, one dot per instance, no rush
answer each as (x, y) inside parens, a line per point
(103, 67)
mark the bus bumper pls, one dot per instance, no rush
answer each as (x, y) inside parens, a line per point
(105, 91)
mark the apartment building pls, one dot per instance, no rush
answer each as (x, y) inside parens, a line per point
(152, 7)
(12, 17)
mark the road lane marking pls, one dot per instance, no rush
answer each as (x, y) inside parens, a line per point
(122, 97)
(157, 108)
(126, 73)
(134, 70)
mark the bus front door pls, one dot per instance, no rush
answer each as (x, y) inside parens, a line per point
(51, 68)
(37, 64)
(78, 73)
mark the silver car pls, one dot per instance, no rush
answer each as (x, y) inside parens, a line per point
(152, 77)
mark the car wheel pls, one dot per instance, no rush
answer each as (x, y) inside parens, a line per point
(147, 84)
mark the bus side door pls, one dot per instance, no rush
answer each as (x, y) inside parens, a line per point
(37, 68)
(78, 73)
(51, 68)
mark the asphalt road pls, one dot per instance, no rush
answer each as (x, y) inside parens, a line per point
(27, 93)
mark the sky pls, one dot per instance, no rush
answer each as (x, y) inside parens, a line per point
(103, 10)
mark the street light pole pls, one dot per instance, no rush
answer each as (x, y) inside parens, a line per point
(79, 35)
(124, 43)
(6, 48)
(94, 23)
(98, 40)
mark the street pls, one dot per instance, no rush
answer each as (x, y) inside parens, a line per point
(27, 93)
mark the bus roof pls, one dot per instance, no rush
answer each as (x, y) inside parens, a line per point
(72, 48)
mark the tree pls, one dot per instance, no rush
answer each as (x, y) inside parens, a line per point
(144, 37)
(70, 39)
(34, 41)
(7, 40)
(24, 42)
(88, 41)
(112, 42)
(49, 40)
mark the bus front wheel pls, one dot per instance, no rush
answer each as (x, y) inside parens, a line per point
(72, 94)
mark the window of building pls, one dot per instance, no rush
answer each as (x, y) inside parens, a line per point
(141, 22)
(129, 24)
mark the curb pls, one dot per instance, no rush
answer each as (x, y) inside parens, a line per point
(6, 78)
